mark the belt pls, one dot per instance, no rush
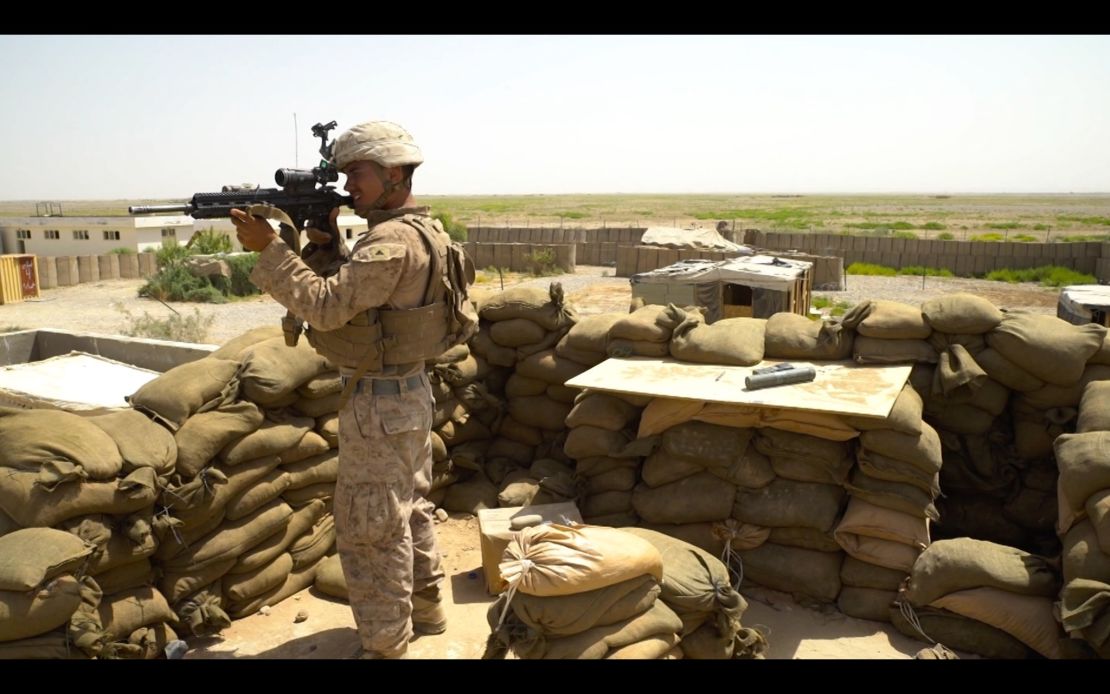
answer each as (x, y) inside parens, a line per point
(387, 386)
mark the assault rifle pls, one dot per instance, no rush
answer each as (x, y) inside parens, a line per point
(304, 199)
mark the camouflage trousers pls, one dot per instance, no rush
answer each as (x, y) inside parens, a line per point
(383, 522)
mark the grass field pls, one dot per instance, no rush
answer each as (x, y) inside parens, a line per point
(961, 217)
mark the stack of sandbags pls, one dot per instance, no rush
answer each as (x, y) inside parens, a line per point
(519, 330)
(698, 587)
(889, 332)
(468, 406)
(583, 592)
(96, 479)
(601, 433)
(1001, 596)
(689, 484)
(587, 341)
(1084, 521)
(999, 474)
(800, 508)
(243, 466)
(646, 332)
(752, 481)
(48, 606)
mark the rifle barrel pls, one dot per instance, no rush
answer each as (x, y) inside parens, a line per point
(160, 209)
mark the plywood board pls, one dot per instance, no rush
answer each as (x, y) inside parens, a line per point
(841, 387)
(85, 384)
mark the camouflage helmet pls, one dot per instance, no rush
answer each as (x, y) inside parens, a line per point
(384, 143)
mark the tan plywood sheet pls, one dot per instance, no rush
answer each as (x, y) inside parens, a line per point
(841, 387)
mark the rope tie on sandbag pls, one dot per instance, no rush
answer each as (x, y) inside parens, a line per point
(729, 531)
(911, 617)
(525, 566)
(165, 513)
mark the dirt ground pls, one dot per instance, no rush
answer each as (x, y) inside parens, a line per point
(793, 631)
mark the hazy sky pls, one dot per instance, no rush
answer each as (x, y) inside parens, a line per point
(167, 116)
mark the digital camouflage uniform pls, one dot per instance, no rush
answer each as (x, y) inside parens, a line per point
(384, 523)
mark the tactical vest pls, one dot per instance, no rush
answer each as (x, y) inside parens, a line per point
(382, 337)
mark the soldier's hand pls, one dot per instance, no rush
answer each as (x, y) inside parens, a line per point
(321, 237)
(254, 233)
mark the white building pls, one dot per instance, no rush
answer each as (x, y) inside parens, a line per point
(78, 236)
(54, 236)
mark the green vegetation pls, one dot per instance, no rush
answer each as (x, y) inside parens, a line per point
(209, 242)
(1041, 227)
(174, 281)
(122, 251)
(455, 229)
(836, 308)
(920, 270)
(1097, 221)
(1047, 275)
(946, 236)
(1084, 237)
(989, 238)
(177, 327)
(884, 271)
(933, 226)
(870, 269)
(1004, 225)
(582, 215)
(543, 262)
(1025, 238)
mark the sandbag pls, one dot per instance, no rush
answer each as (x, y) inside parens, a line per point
(547, 307)
(866, 603)
(141, 441)
(947, 566)
(891, 320)
(881, 536)
(272, 370)
(698, 498)
(791, 336)
(788, 504)
(31, 440)
(32, 505)
(32, 556)
(731, 342)
(1045, 346)
(270, 439)
(961, 313)
(560, 560)
(904, 415)
(794, 570)
(204, 435)
(871, 350)
(185, 390)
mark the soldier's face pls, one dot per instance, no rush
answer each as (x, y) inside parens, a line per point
(364, 183)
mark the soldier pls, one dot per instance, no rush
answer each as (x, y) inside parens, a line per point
(400, 298)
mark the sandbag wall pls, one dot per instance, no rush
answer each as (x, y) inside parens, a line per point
(513, 455)
(815, 511)
(1084, 521)
(77, 531)
(246, 514)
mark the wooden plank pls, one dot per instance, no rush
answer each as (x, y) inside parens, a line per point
(842, 387)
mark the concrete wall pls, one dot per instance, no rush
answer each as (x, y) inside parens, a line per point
(156, 355)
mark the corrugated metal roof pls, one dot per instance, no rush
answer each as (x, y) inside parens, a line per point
(761, 271)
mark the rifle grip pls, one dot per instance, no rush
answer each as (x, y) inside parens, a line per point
(291, 329)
